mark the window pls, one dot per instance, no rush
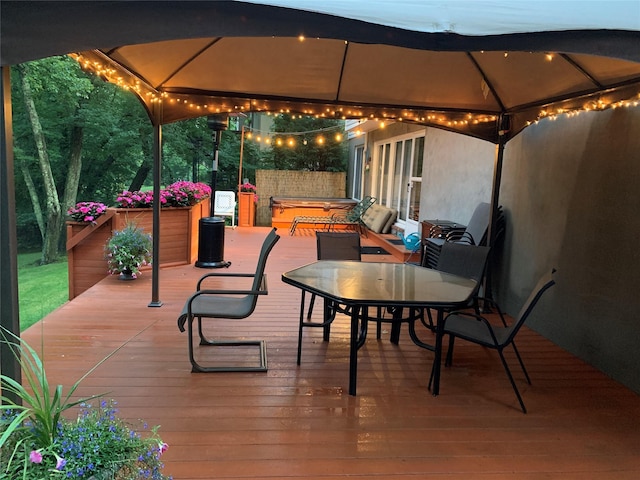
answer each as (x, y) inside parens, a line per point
(398, 176)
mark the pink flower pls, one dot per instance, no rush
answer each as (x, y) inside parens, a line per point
(35, 456)
(162, 447)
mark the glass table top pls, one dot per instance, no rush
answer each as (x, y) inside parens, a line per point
(368, 283)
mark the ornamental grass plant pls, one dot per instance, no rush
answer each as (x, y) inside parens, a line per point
(38, 443)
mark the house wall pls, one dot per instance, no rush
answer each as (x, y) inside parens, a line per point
(571, 188)
(571, 193)
(457, 174)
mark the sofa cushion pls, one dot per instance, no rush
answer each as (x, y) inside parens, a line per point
(392, 219)
(376, 217)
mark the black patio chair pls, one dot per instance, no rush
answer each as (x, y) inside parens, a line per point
(474, 234)
(464, 260)
(227, 304)
(336, 246)
(477, 329)
(331, 246)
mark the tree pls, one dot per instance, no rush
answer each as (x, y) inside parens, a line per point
(308, 143)
(35, 82)
(77, 138)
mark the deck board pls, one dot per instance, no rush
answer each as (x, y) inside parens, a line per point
(299, 422)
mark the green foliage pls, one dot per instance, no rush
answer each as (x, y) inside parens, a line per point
(317, 144)
(117, 143)
(33, 279)
(37, 443)
(42, 408)
(128, 249)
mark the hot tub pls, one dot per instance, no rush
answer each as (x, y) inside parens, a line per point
(285, 209)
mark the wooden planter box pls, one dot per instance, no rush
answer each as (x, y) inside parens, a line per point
(85, 242)
(246, 209)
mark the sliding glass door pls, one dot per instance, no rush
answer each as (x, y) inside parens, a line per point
(397, 169)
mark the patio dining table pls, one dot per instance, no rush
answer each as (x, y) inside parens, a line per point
(360, 285)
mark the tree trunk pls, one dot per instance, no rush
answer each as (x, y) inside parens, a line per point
(53, 214)
(141, 175)
(144, 168)
(75, 166)
(33, 194)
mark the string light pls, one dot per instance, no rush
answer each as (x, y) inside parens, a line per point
(98, 64)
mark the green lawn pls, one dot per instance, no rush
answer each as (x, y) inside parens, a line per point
(41, 289)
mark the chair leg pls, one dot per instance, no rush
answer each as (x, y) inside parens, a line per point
(428, 310)
(524, 370)
(379, 324)
(197, 368)
(513, 383)
(203, 339)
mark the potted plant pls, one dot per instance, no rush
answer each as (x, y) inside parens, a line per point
(38, 442)
(247, 187)
(127, 250)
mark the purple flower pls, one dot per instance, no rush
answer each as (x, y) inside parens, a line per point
(60, 463)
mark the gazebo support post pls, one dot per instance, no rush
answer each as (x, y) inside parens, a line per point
(9, 307)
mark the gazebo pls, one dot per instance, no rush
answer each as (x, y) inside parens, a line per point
(484, 69)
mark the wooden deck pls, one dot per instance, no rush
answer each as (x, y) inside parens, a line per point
(299, 422)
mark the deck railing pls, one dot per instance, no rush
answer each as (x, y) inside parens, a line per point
(85, 241)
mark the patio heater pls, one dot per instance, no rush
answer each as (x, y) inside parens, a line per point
(211, 228)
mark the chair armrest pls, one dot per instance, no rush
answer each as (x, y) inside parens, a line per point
(228, 292)
(464, 237)
(479, 318)
(223, 275)
(263, 290)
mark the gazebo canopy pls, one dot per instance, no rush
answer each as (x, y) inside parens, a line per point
(461, 66)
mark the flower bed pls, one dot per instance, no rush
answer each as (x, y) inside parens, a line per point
(178, 194)
(38, 442)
